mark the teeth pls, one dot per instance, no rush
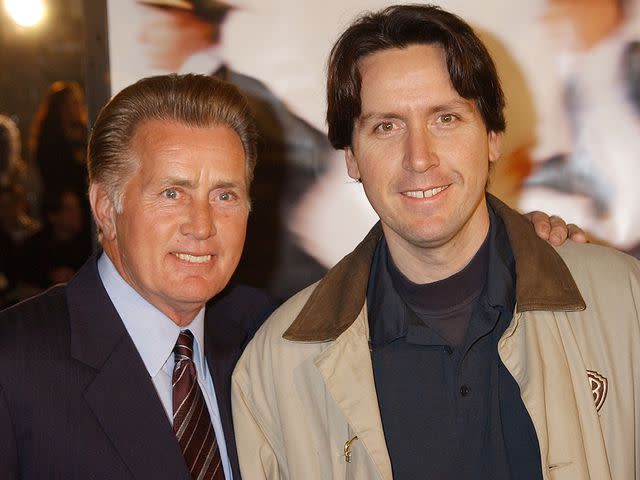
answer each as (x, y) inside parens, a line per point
(193, 258)
(425, 193)
(415, 194)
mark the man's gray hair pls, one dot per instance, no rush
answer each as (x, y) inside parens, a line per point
(193, 100)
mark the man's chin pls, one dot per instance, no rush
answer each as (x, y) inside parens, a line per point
(196, 291)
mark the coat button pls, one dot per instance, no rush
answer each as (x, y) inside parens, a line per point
(465, 390)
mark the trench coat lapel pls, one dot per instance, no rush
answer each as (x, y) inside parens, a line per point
(348, 374)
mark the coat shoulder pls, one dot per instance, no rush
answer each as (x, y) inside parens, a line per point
(268, 345)
(283, 316)
(609, 281)
(34, 342)
(44, 315)
(591, 259)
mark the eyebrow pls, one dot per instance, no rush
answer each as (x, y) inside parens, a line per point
(226, 184)
(451, 105)
(186, 183)
(178, 182)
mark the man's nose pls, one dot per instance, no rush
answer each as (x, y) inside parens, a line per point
(199, 222)
(420, 152)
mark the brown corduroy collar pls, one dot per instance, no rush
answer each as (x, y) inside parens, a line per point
(543, 281)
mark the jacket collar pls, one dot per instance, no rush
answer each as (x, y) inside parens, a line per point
(543, 282)
(96, 328)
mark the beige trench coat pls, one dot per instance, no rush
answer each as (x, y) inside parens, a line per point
(304, 399)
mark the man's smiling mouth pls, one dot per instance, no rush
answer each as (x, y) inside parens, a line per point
(193, 258)
(425, 193)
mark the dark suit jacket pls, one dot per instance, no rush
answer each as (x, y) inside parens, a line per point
(76, 401)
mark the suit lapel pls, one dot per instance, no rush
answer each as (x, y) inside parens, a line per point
(224, 340)
(121, 395)
(348, 374)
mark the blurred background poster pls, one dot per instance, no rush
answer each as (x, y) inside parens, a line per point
(570, 70)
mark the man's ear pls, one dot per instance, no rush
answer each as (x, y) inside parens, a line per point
(495, 146)
(352, 165)
(104, 211)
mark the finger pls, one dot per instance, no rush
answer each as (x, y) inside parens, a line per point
(559, 230)
(576, 233)
(541, 223)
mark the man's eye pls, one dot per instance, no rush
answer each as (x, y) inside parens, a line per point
(447, 118)
(225, 196)
(170, 193)
(385, 127)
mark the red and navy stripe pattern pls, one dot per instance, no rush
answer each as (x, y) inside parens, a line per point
(191, 421)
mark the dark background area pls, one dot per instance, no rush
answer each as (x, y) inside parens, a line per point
(31, 58)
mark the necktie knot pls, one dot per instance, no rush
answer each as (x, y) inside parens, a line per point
(184, 346)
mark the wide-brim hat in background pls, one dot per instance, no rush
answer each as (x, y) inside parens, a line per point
(212, 11)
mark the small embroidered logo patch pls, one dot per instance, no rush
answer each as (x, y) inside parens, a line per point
(599, 387)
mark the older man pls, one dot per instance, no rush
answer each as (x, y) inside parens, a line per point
(188, 36)
(452, 343)
(125, 372)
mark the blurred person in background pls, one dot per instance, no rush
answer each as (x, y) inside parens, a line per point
(14, 219)
(13, 169)
(14, 180)
(56, 252)
(15, 226)
(59, 137)
(588, 133)
(7, 269)
(15, 223)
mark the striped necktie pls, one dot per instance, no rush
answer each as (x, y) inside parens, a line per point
(191, 421)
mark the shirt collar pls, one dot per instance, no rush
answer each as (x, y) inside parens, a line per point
(197, 329)
(153, 333)
(387, 312)
(389, 316)
(500, 283)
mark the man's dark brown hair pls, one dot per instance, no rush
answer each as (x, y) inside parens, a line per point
(471, 69)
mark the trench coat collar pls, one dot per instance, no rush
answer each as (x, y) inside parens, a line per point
(543, 281)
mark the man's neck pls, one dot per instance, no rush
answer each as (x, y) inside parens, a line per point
(431, 263)
(181, 315)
